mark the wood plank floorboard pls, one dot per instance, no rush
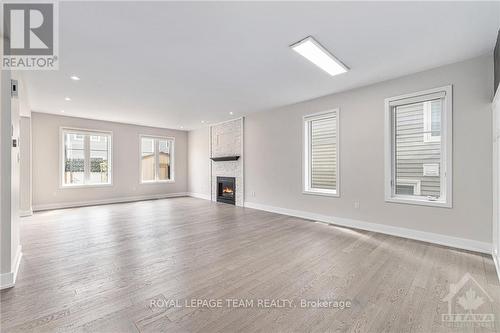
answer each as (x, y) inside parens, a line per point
(108, 268)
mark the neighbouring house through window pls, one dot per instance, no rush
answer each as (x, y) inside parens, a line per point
(418, 147)
(157, 158)
(86, 157)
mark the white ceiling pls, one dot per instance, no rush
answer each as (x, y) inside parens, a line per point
(175, 64)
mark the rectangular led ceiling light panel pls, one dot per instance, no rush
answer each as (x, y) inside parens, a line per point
(310, 49)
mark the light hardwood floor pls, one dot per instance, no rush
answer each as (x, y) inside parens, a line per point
(107, 268)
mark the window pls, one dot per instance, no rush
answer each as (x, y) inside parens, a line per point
(418, 148)
(86, 158)
(157, 159)
(321, 153)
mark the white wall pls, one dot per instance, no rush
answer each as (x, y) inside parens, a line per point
(5, 177)
(47, 193)
(15, 171)
(25, 193)
(273, 158)
(198, 163)
(496, 181)
(25, 166)
(10, 247)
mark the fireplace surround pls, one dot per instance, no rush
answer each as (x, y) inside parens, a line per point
(226, 190)
(226, 160)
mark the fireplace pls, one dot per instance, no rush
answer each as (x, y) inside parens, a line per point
(226, 190)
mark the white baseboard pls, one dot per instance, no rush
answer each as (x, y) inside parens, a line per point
(496, 260)
(8, 280)
(199, 195)
(460, 243)
(106, 201)
(24, 213)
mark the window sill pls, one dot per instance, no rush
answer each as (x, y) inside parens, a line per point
(420, 202)
(157, 182)
(321, 193)
(64, 187)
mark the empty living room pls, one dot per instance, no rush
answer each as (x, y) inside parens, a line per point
(229, 166)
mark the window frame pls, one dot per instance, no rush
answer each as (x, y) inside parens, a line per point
(306, 151)
(446, 160)
(157, 161)
(86, 133)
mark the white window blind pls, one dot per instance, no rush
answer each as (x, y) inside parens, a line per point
(321, 153)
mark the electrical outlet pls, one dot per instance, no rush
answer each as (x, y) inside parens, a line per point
(356, 204)
(13, 88)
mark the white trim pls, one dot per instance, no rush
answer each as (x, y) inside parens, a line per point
(24, 213)
(496, 262)
(31, 166)
(152, 182)
(455, 242)
(242, 157)
(87, 133)
(495, 107)
(419, 96)
(306, 161)
(446, 171)
(17, 262)
(199, 196)
(496, 98)
(210, 162)
(60, 205)
(5, 168)
(419, 201)
(320, 192)
(8, 280)
(156, 156)
(76, 186)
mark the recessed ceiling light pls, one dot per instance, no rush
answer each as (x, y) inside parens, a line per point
(67, 99)
(75, 78)
(62, 111)
(182, 127)
(231, 113)
(310, 49)
(203, 121)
